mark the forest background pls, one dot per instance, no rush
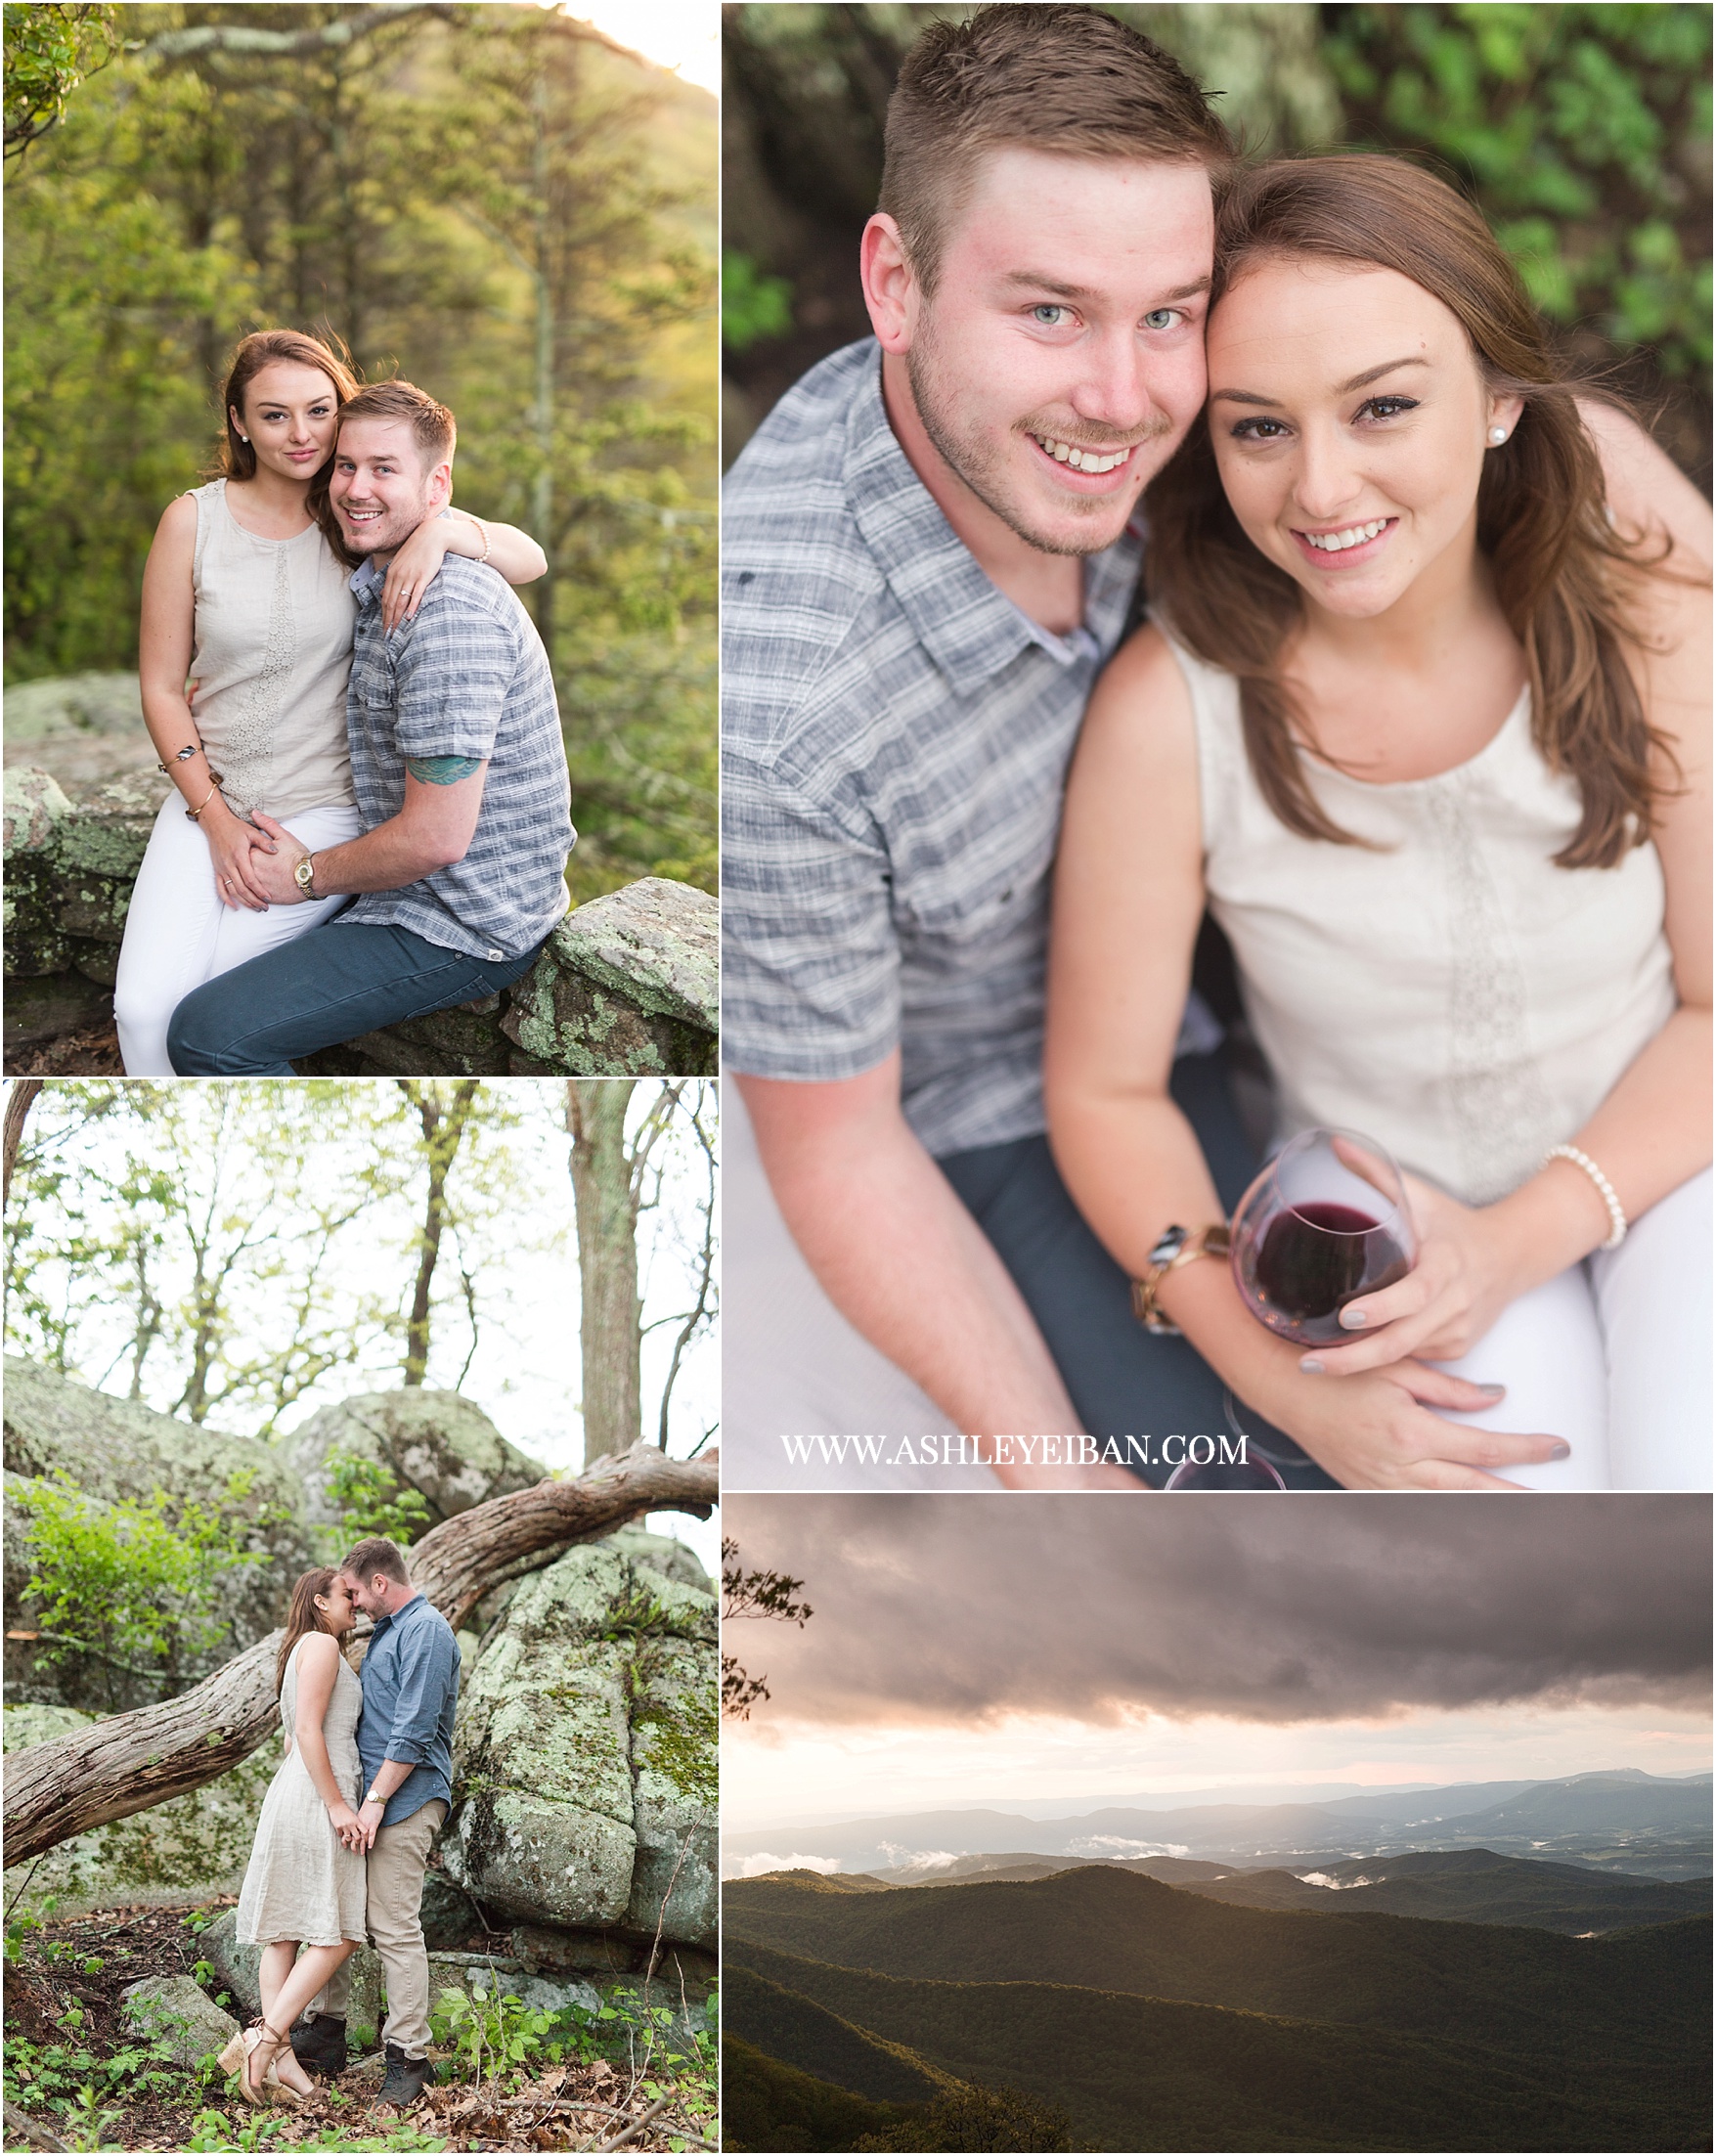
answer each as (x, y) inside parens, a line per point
(1582, 132)
(497, 202)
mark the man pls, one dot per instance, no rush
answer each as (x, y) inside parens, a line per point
(404, 1742)
(460, 780)
(929, 550)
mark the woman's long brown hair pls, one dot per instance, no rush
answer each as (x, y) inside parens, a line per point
(1561, 571)
(303, 1616)
(238, 457)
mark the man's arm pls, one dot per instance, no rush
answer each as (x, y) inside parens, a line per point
(897, 1252)
(433, 830)
(1646, 490)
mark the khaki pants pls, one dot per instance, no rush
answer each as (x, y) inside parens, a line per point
(395, 1880)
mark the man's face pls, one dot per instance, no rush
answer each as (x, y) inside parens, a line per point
(1060, 359)
(380, 490)
(370, 1594)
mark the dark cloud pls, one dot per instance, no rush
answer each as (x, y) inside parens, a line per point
(956, 1608)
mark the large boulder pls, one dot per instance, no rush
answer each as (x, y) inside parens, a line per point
(583, 1761)
(436, 1443)
(57, 1431)
(176, 1855)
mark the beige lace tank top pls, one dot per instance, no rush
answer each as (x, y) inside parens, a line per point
(273, 646)
(1457, 996)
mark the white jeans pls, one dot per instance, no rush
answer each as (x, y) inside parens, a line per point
(1614, 1357)
(178, 934)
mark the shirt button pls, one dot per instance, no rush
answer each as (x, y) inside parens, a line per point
(497, 957)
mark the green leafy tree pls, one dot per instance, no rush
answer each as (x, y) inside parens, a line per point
(130, 1588)
(49, 51)
(977, 2118)
(373, 1501)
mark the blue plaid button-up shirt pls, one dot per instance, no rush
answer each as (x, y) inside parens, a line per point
(411, 1696)
(896, 737)
(466, 677)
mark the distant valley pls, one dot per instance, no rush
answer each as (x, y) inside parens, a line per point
(1457, 1997)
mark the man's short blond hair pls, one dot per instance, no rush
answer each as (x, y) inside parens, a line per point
(431, 425)
(1071, 81)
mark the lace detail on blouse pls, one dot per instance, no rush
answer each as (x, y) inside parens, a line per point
(249, 751)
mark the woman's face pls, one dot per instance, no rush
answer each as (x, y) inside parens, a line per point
(290, 413)
(336, 1610)
(1350, 422)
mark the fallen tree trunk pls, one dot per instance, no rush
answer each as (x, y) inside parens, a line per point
(134, 1761)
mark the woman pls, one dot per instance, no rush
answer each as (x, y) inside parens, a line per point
(245, 589)
(1430, 739)
(304, 1885)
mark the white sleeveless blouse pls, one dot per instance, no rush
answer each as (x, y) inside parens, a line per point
(1458, 998)
(273, 646)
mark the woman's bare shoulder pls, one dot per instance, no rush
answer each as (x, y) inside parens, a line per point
(1142, 694)
(318, 1650)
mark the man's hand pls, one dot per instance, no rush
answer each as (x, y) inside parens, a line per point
(273, 873)
(369, 1822)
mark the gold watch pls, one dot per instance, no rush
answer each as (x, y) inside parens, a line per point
(1174, 1246)
(304, 876)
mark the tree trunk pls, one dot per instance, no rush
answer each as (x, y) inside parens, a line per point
(444, 1124)
(607, 1264)
(133, 1761)
(17, 1107)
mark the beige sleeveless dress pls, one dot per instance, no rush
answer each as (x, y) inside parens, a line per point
(1457, 996)
(274, 624)
(302, 1883)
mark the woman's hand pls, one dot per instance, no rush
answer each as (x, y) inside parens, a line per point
(1468, 1273)
(413, 569)
(231, 842)
(1375, 1431)
(347, 1824)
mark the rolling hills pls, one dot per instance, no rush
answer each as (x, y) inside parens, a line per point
(1160, 2018)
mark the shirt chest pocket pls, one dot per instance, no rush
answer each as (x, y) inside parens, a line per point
(974, 895)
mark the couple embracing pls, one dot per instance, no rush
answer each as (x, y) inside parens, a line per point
(370, 818)
(348, 1826)
(1418, 714)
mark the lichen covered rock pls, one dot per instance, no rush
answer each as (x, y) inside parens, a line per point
(437, 1443)
(585, 1755)
(626, 986)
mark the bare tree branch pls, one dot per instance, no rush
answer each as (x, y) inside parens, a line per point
(17, 1107)
(282, 44)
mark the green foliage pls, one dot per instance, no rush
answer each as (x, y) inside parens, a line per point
(373, 1501)
(123, 1585)
(487, 2035)
(212, 2130)
(71, 2080)
(1583, 130)
(49, 51)
(754, 304)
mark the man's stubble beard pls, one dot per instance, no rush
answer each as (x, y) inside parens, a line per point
(982, 471)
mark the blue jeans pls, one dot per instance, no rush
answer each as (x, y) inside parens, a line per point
(1122, 1380)
(339, 980)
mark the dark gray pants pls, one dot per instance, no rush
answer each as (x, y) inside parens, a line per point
(1124, 1382)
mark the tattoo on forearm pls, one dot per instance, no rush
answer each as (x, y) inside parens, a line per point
(442, 770)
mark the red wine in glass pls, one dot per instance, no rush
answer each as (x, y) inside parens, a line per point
(1324, 1224)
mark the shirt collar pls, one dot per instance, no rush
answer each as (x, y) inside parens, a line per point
(967, 625)
(367, 580)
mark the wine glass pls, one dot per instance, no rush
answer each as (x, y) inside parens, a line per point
(1325, 1221)
(1248, 1473)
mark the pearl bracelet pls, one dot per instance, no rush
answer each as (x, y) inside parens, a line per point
(1617, 1219)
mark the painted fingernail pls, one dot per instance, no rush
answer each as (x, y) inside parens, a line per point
(1561, 1451)
(1495, 1392)
(1311, 1367)
(1355, 1318)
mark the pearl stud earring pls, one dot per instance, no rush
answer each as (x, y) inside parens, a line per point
(1498, 435)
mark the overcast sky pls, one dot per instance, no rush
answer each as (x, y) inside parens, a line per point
(1006, 1647)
